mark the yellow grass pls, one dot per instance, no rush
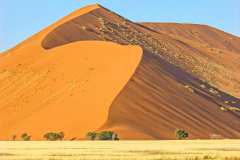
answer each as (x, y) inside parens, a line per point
(118, 150)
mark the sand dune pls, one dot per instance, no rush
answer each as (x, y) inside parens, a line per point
(199, 33)
(213, 45)
(158, 98)
(198, 49)
(143, 82)
(68, 89)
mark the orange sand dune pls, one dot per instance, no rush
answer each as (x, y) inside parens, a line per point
(66, 78)
(197, 49)
(69, 88)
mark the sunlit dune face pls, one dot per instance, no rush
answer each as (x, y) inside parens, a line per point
(69, 88)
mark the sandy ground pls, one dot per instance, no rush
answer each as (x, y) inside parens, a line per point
(122, 150)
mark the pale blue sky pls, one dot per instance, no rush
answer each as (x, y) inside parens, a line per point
(20, 19)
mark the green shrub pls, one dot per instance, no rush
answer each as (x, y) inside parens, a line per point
(25, 137)
(54, 136)
(91, 136)
(104, 135)
(181, 134)
(108, 135)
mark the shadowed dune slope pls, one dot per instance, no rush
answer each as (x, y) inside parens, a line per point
(69, 88)
(156, 101)
(220, 50)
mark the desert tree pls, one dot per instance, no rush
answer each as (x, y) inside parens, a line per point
(54, 136)
(108, 135)
(181, 134)
(91, 136)
(104, 135)
(25, 137)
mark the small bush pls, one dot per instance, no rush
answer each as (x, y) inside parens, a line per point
(234, 109)
(91, 136)
(25, 137)
(189, 88)
(213, 91)
(223, 108)
(202, 86)
(181, 134)
(14, 137)
(226, 102)
(104, 135)
(233, 102)
(108, 135)
(54, 136)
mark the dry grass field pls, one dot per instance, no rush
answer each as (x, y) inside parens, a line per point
(118, 150)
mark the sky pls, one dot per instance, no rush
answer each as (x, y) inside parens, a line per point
(20, 19)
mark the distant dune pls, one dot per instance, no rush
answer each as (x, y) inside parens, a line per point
(95, 70)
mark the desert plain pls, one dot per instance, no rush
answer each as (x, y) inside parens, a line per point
(122, 150)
